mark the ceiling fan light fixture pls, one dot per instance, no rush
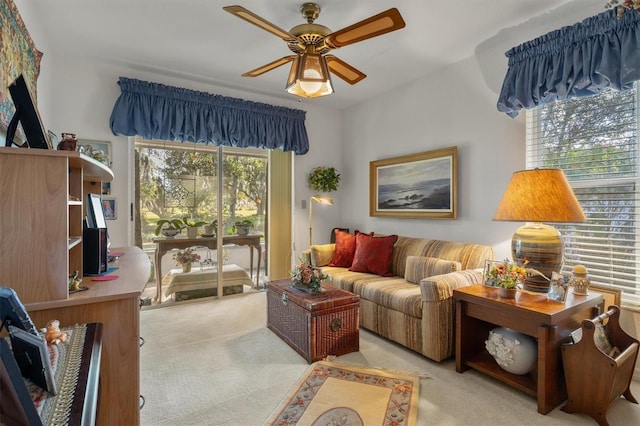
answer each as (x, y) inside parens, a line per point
(309, 76)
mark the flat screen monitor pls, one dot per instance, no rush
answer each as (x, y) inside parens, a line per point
(27, 115)
(95, 213)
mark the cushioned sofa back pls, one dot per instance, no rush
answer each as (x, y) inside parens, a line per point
(471, 256)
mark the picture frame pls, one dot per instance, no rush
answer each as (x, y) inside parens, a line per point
(96, 149)
(611, 296)
(106, 188)
(419, 186)
(109, 207)
(559, 287)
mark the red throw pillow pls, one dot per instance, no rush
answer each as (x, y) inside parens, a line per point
(374, 254)
(345, 249)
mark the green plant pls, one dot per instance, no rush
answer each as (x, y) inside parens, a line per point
(171, 224)
(324, 179)
(194, 224)
(245, 221)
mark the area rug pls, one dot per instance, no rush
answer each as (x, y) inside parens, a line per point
(337, 393)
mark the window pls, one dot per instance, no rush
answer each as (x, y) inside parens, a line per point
(180, 180)
(594, 140)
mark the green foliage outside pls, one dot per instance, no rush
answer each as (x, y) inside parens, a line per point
(182, 184)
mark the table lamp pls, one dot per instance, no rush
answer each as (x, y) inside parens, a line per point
(535, 196)
(320, 199)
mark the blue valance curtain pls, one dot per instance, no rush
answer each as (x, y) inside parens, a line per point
(155, 111)
(580, 60)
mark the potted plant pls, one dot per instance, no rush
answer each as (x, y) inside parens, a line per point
(192, 226)
(307, 278)
(507, 276)
(244, 226)
(211, 229)
(169, 227)
(186, 258)
(324, 179)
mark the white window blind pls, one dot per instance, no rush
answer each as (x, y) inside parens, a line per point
(594, 140)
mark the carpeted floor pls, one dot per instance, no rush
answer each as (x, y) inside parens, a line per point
(214, 362)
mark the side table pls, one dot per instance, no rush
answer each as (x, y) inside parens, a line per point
(479, 309)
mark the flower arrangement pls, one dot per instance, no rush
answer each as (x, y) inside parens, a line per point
(506, 274)
(324, 179)
(304, 276)
(186, 257)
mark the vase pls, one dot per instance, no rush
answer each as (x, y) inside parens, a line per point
(170, 232)
(192, 231)
(507, 293)
(579, 280)
(186, 267)
(514, 352)
(305, 287)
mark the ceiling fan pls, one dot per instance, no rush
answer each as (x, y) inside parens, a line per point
(309, 76)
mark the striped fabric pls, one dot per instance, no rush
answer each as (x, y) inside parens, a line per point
(419, 316)
(419, 267)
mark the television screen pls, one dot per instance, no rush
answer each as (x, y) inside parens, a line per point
(95, 214)
(27, 115)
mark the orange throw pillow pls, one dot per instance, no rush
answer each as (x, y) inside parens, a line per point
(374, 254)
(345, 249)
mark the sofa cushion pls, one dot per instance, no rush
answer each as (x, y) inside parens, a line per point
(373, 254)
(321, 254)
(345, 249)
(391, 292)
(419, 267)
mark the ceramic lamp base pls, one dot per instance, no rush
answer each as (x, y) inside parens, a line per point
(541, 245)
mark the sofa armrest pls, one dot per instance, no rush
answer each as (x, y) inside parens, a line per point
(440, 287)
(305, 257)
(438, 311)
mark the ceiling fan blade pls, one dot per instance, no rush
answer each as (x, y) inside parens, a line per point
(270, 66)
(256, 20)
(382, 23)
(344, 70)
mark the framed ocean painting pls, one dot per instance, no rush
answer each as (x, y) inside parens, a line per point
(422, 185)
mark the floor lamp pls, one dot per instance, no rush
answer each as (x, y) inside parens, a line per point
(320, 199)
(536, 196)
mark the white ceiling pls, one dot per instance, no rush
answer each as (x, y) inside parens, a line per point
(196, 39)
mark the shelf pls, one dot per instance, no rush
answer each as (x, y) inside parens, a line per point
(74, 241)
(485, 363)
(75, 203)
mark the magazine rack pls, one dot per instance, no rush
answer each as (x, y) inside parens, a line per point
(595, 379)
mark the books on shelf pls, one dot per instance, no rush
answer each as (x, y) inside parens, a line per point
(32, 356)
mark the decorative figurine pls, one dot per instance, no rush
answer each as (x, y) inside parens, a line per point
(53, 335)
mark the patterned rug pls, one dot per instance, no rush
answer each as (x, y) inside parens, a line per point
(334, 393)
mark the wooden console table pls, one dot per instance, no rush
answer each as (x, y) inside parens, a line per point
(115, 304)
(72, 405)
(163, 245)
(479, 310)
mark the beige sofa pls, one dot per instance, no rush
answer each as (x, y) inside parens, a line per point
(415, 306)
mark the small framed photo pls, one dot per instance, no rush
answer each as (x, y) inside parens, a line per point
(558, 287)
(106, 188)
(109, 208)
(98, 150)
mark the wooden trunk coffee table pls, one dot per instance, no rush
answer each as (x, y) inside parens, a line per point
(479, 310)
(314, 324)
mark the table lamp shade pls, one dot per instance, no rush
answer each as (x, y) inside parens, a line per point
(539, 195)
